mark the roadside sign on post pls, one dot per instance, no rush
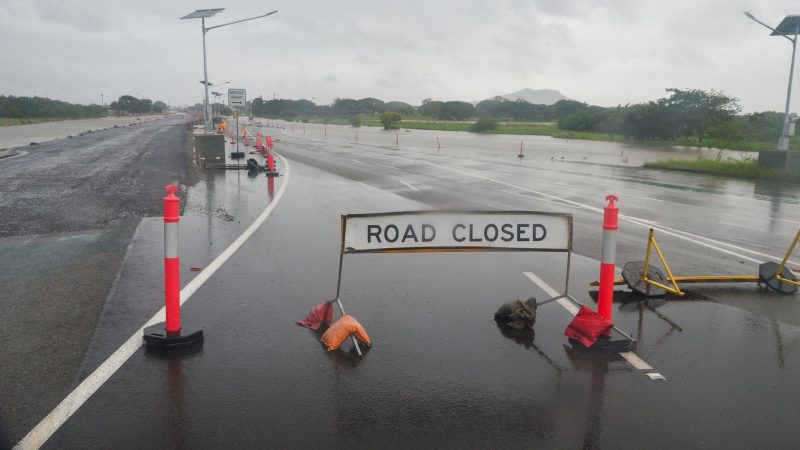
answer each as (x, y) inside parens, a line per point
(237, 97)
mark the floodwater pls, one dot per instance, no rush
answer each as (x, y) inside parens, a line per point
(534, 147)
(20, 135)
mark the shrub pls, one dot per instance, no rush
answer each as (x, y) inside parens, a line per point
(389, 119)
(484, 124)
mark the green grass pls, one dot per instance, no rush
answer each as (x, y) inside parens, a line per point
(738, 169)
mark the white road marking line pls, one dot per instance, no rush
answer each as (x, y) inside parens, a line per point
(632, 358)
(653, 199)
(660, 228)
(412, 187)
(360, 162)
(656, 376)
(651, 222)
(785, 220)
(386, 165)
(50, 424)
(568, 305)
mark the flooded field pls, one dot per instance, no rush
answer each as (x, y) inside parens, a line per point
(499, 145)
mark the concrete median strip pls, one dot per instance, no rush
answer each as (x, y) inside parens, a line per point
(61, 413)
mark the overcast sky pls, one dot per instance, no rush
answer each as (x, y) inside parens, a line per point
(599, 52)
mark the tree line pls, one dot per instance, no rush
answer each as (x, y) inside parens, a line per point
(682, 113)
(39, 107)
(499, 108)
(128, 104)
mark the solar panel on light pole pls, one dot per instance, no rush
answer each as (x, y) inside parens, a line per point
(202, 14)
(790, 25)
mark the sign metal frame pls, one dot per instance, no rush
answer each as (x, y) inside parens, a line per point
(453, 249)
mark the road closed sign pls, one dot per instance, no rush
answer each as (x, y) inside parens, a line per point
(423, 231)
(237, 97)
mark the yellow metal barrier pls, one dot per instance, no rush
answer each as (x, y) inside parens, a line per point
(651, 243)
(785, 259)
(673, 285)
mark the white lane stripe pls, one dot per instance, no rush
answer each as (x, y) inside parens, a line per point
(627, 218)
(412, 187)
(355, 160)
(632, 358)
(568, 305)
(386, 165)
(50, 424)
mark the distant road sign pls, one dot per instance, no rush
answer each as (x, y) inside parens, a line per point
(456, 231)
(237, 97)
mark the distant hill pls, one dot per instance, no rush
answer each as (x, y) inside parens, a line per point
(535, 96)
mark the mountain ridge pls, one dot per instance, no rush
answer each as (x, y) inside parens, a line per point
(534, 96)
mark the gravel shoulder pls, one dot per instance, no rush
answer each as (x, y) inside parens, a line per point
(68, 211)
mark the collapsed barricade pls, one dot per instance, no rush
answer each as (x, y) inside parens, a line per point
(645, 279)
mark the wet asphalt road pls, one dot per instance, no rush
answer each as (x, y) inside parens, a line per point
(441, 372)
(68, 210)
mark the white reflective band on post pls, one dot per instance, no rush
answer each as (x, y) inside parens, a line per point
(609, 252)
(171, 239)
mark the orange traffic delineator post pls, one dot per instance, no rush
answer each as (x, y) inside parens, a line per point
(521, 154)
(606, 295)
(649, 281)
(608, 256)
(438, 144)
(170, 335)
(271, 169)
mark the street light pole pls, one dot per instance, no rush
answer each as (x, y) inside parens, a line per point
(788, 24)
(206, 126)
(783, 143)
(202, 14)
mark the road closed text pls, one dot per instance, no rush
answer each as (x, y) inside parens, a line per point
(506, 232)
(420, 231)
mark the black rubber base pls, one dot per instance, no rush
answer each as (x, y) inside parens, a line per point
(157, 337)
(632, 274)
(607, 345)
(273, 174)
(237, 155)
(520, 156)
(767, 272)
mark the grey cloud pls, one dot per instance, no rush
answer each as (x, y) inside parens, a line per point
(600, 51)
